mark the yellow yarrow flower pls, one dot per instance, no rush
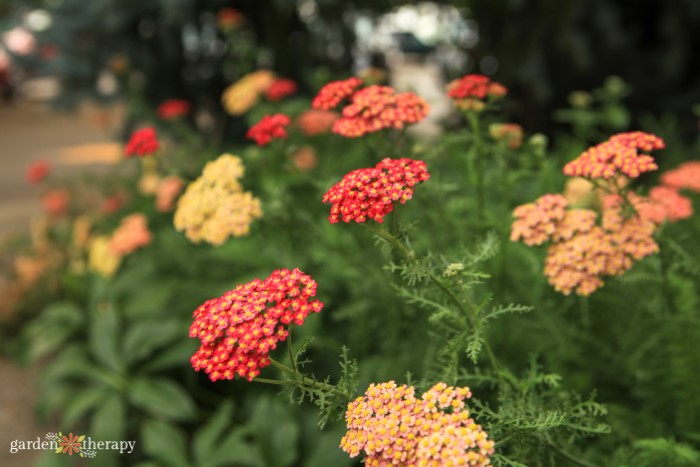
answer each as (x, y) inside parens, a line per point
(244, 93)
(215, 207)
(101, 259)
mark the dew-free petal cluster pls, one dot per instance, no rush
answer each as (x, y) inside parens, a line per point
(620, 155)
(391, 426)
(143, 142)
(369, 193)
(173, 108)
(214, 206)
(38, 171)
(239, 329)
(536, 222)
(131, 235)
(279, 89)
(684, 177)
(268, 128)
(315, 122)
(470, 91)
(335, 92)
(509, 133)
(376, 108)
(166, 193)
(55, 201)
(239, 97)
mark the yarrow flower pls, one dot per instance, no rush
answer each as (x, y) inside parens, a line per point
(279, 89)
(582, 252)
(143, 142)
(38, 171)
(370, 193)
(510, 133)
(335, 92)
(173, 108)
(229, 18)
(131, 235)
(215, 206)
(55, 202)
(684, 177)
(244, 93)
(239, 329)
(391, 426)
(101, 259)
(112, 204)
(618, 155)
(371, 109)
(470, 91)
(268, 128)
(167, 191)
(664, 204)
(315, 122)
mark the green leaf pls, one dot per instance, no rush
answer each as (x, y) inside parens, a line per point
(165, 443)
(206, 438)
(82, 402)
(276, 432)
(103, 337)
(163, 398)
(52, 328)
(235, 450)
(109, 420)
(143, 338)
(172, 356)
(326, 451)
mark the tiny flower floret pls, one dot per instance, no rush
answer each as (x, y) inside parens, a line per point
(370, 193)
(239, 329)
(268, 128)
(391, 426)
(620, 155)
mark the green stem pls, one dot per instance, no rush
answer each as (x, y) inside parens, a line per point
(473, 119)
(298, 379)
(571, 457)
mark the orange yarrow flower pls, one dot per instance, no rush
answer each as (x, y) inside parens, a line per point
(370, 193)
(536, 222)
(684, 177)
(471, 91)
(618, 155)
(55, 202)
(238, 330)
(315, 122)
(335, 92)
(391, 426)
(131, 235)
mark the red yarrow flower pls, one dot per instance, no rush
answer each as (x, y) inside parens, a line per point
(143, 142)
(269, 128)
(376, 108)
(620, 155)
(239, 329)
(315, 122)
(335, 92)
(173, 108)
(370, 193)
(279, 89)
(475, 87)
(38, 171)
(55, 202)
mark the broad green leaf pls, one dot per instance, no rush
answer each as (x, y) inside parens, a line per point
(276, 432)
(164, 443)
(109, 420)
(206, 438)
(82, 402)
(104, 335)
(234, 450)
(327, 451)
(143, 338)
(172, 356)
(54, 326)
(162, 398)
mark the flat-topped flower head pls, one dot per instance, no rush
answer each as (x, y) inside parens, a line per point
(268, 128)
(316, 122)
(509, 133)
(370, 193)
(131, 235)
(335, 92)
(143, 142)
(279, 89)
(620, 155)
(376, 108)
(238, 330)
(38, 171)
(239, 97)
(391, 426)
(536, 222)
(684, 177)
(173, 108)
(471, 91)
(214, 207)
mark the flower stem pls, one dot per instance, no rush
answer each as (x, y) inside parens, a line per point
(473, 119)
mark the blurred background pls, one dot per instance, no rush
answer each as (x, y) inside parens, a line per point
(77, 76)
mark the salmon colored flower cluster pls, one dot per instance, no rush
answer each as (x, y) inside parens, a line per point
(370, 193)
(315, 122)
(167, 191)
(38, 171)
(335, 92)
(215, 207)
(370, 109)
(469, 92)
(536, 222)
(245, 93)
(391, 426)
(620, 155)
(664, 204)
(131, 235)
(510, 133)
(173, 108)
(229, 18)
(268, 128)
(143, 142)
(279, 89)
(55, 202)
(239, 329)
(684, 177)
(582, 252)
(112, 204)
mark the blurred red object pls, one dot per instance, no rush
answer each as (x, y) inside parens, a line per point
(229, 18)
(173, 108)
(55, 202)
(38, 171)
(280, 88)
